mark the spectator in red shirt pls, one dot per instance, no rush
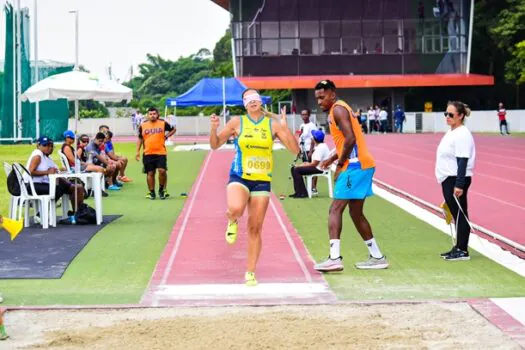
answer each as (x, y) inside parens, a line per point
(502, 115)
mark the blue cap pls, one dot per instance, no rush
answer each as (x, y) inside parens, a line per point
(318, 135)
(70, 134)
(44, 141)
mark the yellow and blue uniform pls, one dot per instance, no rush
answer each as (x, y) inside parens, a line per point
(252, 165)
(355, 179)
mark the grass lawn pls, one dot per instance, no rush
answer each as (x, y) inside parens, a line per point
(411, 246)
(116, 265)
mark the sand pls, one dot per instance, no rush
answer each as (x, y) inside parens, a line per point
(397, 326)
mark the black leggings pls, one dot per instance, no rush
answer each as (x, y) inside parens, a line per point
(298, 182)
(463, 228)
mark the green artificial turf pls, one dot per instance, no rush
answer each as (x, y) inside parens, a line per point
(116, 265)
(411, 246)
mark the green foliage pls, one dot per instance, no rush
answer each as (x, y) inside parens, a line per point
(508, 34)
(223, 50)
(89, 109)
(160, 78)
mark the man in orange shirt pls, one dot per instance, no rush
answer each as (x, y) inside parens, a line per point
(353, 179)
(153, 134)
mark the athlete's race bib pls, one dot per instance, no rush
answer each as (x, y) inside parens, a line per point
(257, 165)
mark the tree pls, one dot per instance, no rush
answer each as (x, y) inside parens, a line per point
(509, 34)
(223, 49)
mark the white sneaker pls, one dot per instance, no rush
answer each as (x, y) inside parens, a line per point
(330, 265)
(373, 264)
(314, 192)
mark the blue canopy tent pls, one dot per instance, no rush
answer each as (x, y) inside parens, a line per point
(213, 92)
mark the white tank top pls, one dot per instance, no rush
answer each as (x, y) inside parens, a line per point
(45, 164)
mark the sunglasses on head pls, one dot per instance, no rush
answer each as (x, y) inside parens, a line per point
(449, 115)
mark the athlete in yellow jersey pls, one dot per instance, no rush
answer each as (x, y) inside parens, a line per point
(251, 170)
(353, 180)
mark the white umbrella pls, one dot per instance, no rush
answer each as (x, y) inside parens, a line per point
(76, 86)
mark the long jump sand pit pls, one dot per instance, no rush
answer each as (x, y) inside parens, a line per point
(386, 326)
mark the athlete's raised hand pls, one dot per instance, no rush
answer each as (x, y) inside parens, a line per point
(283, 121)
(214, 122)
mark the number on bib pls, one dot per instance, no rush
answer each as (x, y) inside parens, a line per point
(257, 165)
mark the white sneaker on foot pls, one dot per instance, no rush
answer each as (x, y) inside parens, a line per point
(373, 264)
(330, 265)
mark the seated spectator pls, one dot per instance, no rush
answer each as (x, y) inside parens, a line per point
(40, 165)
(321, 152)
(68, 150)
(94, 152)
(122, 162)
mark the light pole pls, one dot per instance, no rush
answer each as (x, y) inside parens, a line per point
(37, 71)
(76, 37)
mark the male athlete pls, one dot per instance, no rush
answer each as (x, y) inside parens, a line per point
(152, 135)
(353, 180)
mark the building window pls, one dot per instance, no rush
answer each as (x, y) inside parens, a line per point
(269, 30)
(289, 47)
(352, 45)
(335, 27)
(270, 47)
(309, 29)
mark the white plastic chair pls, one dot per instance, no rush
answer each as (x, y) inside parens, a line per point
(65, 162)
(44, 203)
(14, 200)
(326, 174)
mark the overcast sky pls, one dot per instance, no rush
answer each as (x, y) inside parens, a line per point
(123, 31)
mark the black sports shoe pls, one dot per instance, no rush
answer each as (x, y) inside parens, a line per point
(150, 195)
(443, 255)
(457, 255)
(163, 194)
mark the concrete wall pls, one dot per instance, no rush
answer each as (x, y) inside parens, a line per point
(479, 121)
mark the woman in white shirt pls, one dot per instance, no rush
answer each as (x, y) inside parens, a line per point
(321, 152)
(456, 155)
(40, 166)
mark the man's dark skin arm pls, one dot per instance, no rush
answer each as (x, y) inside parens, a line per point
(342, 120)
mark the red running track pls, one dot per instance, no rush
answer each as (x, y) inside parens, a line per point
(497, 193)
(197, 260)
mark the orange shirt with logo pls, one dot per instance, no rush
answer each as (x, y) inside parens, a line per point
(359, 156)
(154, 136)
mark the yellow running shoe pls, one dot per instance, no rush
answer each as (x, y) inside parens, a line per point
(231, 232)
(249, 279)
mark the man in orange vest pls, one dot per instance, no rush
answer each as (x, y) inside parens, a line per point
(353, 179)
(153, 134)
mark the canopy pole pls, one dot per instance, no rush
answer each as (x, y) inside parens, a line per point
(224, 100)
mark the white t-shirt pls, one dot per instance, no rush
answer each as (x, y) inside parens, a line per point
(321, 152)
(371, 114)
(306, 135)
(383, 115)
(457, 143)
(46, 163)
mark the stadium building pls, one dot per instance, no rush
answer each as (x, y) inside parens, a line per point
(374, 50)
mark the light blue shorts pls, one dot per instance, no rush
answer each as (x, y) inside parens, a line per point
(354, 183)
